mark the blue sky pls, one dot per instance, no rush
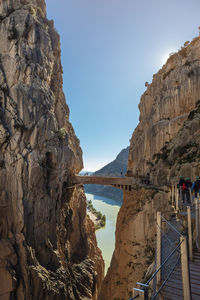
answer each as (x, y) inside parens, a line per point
(110, 48)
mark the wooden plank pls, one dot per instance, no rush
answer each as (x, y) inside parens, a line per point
(195, 297)
(172, 297)
(168, 296)
(195, 290)
(175, 281)
(195, 272)
(195, 260)
(197, 267)
(194, 275)
(174, 287)
(195, 280)
(173, 292)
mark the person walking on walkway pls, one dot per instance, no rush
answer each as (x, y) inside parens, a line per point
(196, 186)
(182, 188)
(188, 187)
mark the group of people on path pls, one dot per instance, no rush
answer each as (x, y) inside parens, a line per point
(185, 185)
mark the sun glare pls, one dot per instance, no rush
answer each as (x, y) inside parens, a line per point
(165, 57)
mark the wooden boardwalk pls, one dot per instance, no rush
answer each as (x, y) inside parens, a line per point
(173, 289)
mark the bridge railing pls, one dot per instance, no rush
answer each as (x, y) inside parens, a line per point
(171, 252)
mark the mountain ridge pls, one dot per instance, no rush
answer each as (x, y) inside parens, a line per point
(116, 168)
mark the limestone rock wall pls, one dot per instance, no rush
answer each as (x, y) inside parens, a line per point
(135, 241)
(182, 155)
(165, 106)
(48, 247)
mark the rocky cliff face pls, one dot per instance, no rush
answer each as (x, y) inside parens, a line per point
(164, 108)
(118, 168)
(47, 245)
(165, 144)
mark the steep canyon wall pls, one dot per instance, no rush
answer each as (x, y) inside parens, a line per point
(48, 247)
(164, 108)
(165, 144)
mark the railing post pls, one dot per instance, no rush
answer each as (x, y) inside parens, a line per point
(173, 196)
(181, 194)
(185, 269)
(177, 196)
(190, 195)
(159, 246)
(197, 221)
(189, 231)
(142, 294)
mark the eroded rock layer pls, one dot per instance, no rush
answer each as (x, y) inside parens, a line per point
(48, 247)
(164, 145)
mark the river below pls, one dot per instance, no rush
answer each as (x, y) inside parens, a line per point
(106, 236)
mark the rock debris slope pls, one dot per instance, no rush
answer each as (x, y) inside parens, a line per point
(165, 144)
(48, 247)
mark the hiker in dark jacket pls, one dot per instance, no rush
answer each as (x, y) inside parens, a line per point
(188, 187)
(182, 188)
(181, 181)
(196, 186)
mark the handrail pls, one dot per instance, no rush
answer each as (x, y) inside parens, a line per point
(160, 288)
(168, 257)
(168, 266)
(170, 225)
(133, 297)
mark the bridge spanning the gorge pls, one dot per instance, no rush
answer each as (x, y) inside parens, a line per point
(124, 183)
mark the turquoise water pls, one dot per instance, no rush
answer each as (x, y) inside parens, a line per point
(106, 236)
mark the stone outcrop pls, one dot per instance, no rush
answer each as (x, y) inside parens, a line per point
(48, 247)
(164, 145)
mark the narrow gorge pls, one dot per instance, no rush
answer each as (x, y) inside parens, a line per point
(48, 247)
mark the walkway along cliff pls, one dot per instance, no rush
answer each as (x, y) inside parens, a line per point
(164, 145)
(48, 248)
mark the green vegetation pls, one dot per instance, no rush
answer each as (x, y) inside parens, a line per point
(149, 252)
(100, 217)
(195, 111)
(62, 133)
(40, 12)
(162, 155)
(34, 11)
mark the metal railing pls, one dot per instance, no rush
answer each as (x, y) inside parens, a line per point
(165, 262)
(172, 247)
